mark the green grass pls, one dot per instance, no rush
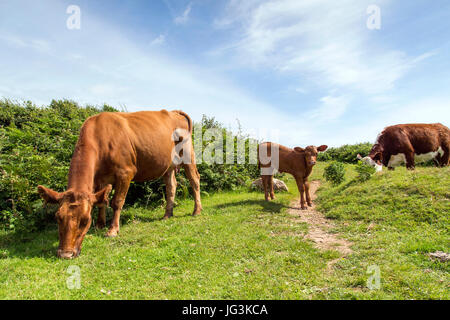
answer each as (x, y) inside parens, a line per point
(394, 220)
(242, 247)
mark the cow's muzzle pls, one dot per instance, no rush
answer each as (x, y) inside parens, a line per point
(70, 254)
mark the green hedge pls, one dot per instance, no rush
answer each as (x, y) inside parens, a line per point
(36, 145)
(346, 153)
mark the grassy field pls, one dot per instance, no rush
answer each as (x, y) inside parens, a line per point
(242, 247)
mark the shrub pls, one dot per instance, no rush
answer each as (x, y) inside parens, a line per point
(335, 173)
(346, 153)
(364, 171)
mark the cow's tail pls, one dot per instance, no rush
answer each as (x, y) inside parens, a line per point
(189, 120)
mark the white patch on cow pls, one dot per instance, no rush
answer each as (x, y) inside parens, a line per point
(368, 161)
(396, 160)
(424, 157)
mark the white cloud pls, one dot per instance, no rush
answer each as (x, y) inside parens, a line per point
(331, 108)
(325, 41)
(184, 17)
(39, 45)
(158, 40)
(301, 90)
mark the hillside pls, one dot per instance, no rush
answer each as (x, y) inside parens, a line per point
(395, 219)
(245, 248)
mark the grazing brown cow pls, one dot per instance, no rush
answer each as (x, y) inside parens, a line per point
(411, 143)
(113, 149)
(298, 162)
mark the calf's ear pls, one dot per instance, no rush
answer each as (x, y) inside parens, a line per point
(298, 149)
(49, 195)
(322, 148)
(101, 197)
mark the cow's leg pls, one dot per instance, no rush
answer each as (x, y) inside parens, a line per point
(301, 190)
(101, 219)
(265, 182)
(120, 192)
(194, 179)
(171, 187)
(410, 160)
(444, 159)
(308, 196)
(272, 195)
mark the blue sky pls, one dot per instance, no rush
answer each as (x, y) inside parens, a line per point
(307, 71)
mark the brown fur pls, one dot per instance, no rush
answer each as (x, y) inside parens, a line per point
(113, 149)
(411, 139)
(298, 162)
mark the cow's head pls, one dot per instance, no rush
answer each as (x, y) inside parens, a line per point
(73, 216)
(311, 153)
(377, 155)
(370, 162)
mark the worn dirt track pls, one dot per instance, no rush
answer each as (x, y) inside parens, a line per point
(319, 227)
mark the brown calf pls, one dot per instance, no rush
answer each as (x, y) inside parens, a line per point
(298, 162)
(113, 149)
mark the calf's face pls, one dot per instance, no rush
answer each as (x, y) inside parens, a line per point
(73, 216)
(311, 153)
(370, 162)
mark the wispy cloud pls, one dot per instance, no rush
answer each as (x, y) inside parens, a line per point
(39, 45)
(158, 40)
(184, 17)
(326, 41)
(330, 108)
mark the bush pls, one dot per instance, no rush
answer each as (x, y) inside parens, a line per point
(36, 146)
(346, 153)
(364, 171)
(335, 173)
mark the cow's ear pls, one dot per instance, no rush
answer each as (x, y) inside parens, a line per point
(298, 149)
(101, 197)
(358, 157)
(322, 148)
(49, 195)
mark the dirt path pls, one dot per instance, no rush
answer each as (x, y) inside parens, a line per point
(319, 227)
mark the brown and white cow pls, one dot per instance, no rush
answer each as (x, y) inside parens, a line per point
(410, 144)
(298, 162)
(113, 149)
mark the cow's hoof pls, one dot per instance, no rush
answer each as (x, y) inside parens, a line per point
(167, 216)
(303, 208)
(309, 204)
(196, 213)
(112, 233)
(100, 226)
